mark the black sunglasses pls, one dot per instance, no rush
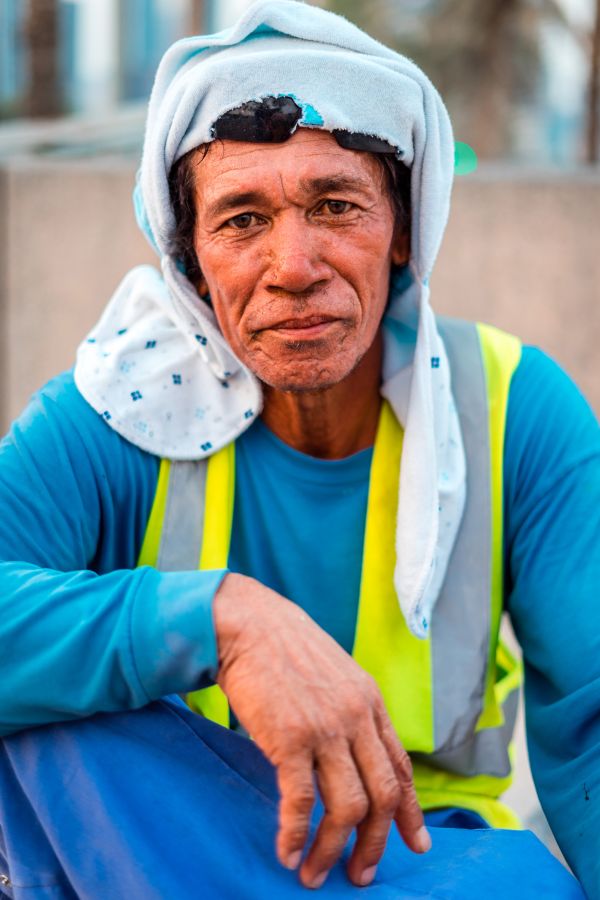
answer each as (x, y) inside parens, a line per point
(274, 119)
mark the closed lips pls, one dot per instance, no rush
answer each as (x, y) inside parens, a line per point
(308, 322)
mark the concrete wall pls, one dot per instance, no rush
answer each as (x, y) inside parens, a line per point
(70, 236)
(521, 251)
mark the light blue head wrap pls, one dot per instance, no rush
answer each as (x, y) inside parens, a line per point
(342, 79)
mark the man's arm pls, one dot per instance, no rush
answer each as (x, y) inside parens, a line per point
(83, 632)
(76, 636)
(552, 500)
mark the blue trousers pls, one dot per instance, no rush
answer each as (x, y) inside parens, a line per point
(161, 804)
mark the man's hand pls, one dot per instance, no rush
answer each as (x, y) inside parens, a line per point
(312, 710)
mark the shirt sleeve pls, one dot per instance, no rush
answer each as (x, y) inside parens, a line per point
(552, 520)
(83, 630)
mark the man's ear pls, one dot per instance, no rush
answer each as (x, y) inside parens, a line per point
(201, 286)
(401, 247)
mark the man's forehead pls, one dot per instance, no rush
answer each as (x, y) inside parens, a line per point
(307, 158)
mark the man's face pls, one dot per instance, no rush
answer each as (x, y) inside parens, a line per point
(296, 242)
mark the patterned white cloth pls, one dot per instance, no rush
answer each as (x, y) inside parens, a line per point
(156, 366)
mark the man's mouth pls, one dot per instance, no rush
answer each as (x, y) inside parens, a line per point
(303, 326)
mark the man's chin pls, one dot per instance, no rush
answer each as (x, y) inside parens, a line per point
(304, 389)
(305, 377)
(301, 369)
(299, 385)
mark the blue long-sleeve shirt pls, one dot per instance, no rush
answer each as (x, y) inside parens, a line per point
(84, 630)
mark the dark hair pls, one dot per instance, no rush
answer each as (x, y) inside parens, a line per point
(181, 191)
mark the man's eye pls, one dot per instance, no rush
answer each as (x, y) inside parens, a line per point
(243, 221)
(336, 207)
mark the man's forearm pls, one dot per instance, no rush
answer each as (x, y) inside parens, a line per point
(76, 643)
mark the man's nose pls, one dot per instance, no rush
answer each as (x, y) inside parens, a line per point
(295, 256)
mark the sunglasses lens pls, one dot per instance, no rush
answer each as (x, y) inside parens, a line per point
(351, 140)
(269, 121)
(273, 120)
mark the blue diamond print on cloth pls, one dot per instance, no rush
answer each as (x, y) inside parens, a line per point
(106, 415)
(248, 414)
(136, 395)
(206, 446)
(121, 331)
(176, 379)
(435, 362)
(150, 345)
(225, 384)
(91, 341)
(201, 339)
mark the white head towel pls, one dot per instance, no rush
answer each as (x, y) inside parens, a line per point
(156, 366)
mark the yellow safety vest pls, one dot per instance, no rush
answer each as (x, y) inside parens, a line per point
(452, 698)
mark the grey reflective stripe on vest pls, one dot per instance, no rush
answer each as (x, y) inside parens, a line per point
(460, 628)
(483, 753)
(181, 536)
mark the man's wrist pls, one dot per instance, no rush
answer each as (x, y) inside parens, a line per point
(173, 641)
(231, 608)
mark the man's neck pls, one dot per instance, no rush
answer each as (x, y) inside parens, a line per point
(332, 423)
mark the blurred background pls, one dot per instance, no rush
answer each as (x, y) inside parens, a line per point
(521, 79)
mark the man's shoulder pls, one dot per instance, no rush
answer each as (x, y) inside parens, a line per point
(62, 392)
(59, 405)
(56, 403)
(58, 415)
(550, 427)
(542, 393)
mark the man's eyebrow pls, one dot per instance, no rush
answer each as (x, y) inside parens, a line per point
(332, 184)
(234, 200)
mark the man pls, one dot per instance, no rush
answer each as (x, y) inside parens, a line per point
(292, 318)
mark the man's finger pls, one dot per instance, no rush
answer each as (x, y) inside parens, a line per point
(296, 786)
(346, 805)
(385, 796)
(409, 815)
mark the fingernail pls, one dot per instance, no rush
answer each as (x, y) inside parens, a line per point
(318, 880)
(423, 840)
(367, 876)
(293, 860)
